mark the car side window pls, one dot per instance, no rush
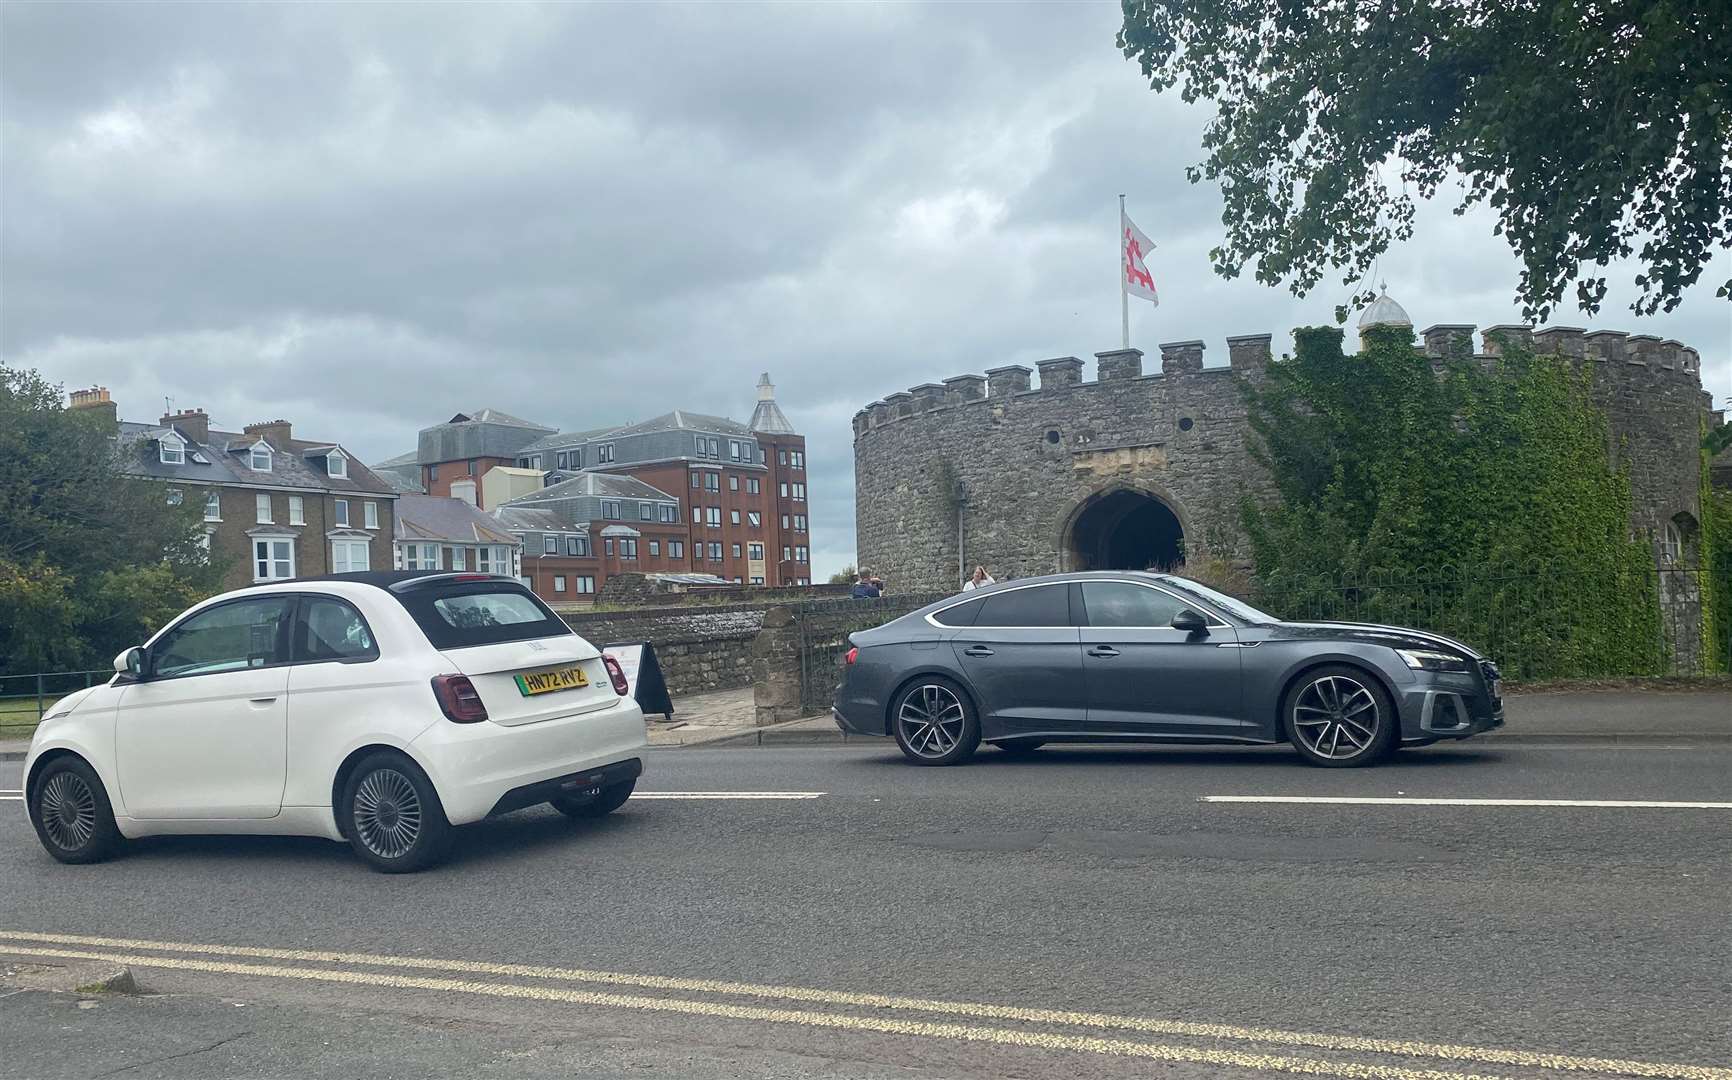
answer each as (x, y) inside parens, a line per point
(1122, 604)
(331, 629)
(1040, 605)
(228, 637)
(959, 615)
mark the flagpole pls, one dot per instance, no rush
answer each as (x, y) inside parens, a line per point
(1124, 293)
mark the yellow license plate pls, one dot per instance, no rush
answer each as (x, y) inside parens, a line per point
(546, 682)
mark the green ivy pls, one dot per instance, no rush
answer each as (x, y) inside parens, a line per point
(1433, 491)
(1715, 542)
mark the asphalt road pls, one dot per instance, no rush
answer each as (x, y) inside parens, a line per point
(1080, 913)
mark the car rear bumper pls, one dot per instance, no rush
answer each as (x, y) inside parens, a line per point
(476, 766)
(581, 786)
(842, 722)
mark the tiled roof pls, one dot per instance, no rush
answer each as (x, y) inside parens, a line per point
(607, 485)
(496, 416)
(681, 420)
(562, 440)
(289, 468)
(534, 519)
(439, 517)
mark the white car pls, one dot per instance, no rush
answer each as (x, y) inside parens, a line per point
(379, 708)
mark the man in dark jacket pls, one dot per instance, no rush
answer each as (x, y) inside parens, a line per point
(865, 589)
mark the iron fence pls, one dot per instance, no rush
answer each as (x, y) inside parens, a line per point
(24, 699)
(1539, 622)
(824, 628)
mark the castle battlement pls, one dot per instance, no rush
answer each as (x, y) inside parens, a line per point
(1615, 355)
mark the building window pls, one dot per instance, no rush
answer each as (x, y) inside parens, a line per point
(669, 513)
(787, 553)
(733, 483)
(755, 551)
(757, 581)
(697, 479)
(262, 503)
(628, 547)
(797, 459)
(340, 510)
(736, 551)
(348, 556)
(213, 506)
(260, 458)
(297, 511)
(800, 555)
(493, 559)
(604, 452)
(784, 491)
(577, 459)
(781, 457)
(432, 473)
(752, 485)
(715, 551)
(337, 465)
(733, 517)
(1671, 544)
(712, 481)
(273, 560)
(559, 583)
(607, 546)
(610, 511)
(584, 583)
(421, 556)
(697, 515)
(174, 496)
(561, 459)
(784, 521)
(472, 464)
(646, 512)
(754, 519)
(799, 522)
(550, 545)
(370, 514)
(459, 557)
(571, 546)
(800, 492)
(713, 517)
(655, 547)
(676, 549)
(171, 450)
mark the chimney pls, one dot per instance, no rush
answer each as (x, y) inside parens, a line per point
(95, 402)
(275, 432)
(193, 422)
(464, 490)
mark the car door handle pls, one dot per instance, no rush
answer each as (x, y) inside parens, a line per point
(1105, 652)
(977, 650)
(261, 700)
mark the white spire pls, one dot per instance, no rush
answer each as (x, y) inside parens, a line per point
(768, 417)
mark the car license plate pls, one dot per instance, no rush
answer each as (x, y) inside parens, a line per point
(546, 682)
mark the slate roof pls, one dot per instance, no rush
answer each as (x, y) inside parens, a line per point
(410, 458)
(563, 439)
(496, 416)
(290, 467)
(681, 420)
(606, 485)
(439, 517)
(534, 519)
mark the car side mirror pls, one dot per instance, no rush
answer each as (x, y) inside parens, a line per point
(1190, 622)
(130, 662)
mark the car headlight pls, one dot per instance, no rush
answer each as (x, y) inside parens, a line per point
(1424, 660)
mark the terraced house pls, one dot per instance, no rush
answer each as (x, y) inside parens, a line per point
(275, 506)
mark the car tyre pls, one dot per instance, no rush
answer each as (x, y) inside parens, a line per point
(393, 817)
(611, 798)
(70, 809)
(1340, 717)
(934, 722)
(1021, 747)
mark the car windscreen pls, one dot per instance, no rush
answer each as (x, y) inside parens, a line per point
(1234, 607)
(479, 613)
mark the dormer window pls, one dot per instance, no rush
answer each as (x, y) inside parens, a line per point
(337, 465)
(259, 458)
(172, 449)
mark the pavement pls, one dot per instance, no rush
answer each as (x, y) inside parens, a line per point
(831, 912)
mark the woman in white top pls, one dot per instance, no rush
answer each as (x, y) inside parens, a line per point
(980, 580)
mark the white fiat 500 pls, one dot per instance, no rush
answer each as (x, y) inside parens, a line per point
(378, 708)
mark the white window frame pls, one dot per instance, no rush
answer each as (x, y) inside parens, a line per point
(346, 563)
(549, 544)
(583, 583)
(340, 512)
(755, 550)
(277, 567)
(253, 453)
(676, 549)
(370, 514)
(604, 453)
(171, 449)
(655, 548)
(559, 583)
(262, 509)
(176, 496)
(697, 515)
(754, 519)
(297, 510)
(337, 464)
(213, 505)
(421, 557)
(733, 517)
(459, 558)
(1671, 544)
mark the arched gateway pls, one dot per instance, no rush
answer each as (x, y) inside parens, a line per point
(1123, 528)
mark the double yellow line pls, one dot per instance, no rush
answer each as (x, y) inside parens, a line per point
(352, 969)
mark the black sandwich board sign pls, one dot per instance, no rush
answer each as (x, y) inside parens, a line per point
(643, 674)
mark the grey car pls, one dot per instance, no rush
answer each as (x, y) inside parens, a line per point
(1121, 657)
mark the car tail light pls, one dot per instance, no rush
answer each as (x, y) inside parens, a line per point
(851, 655)
(617, 674)
(458, 698)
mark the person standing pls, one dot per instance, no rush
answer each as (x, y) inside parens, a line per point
(980, 580)
(865, 589)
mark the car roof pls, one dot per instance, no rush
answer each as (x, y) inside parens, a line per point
(384, 579)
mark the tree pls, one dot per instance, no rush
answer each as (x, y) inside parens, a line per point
(1473, 502)
(91, 560)
(844, 576)
(1588, 127)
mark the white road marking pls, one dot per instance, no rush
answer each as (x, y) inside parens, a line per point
(11, 798)
(727, 795)
(1347, 800)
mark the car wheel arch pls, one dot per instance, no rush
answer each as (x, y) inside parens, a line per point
(947, 676)
(48, 757)
(346, 769)
(1312, 664)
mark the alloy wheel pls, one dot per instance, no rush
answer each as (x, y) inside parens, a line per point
(932, 720)
(1337, 717)
(68, 810)
(387, 813)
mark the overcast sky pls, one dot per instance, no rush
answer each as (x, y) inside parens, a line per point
(365, 218)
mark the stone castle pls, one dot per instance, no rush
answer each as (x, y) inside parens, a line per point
(1136, 469)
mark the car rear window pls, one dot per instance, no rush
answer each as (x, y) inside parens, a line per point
(960, 615)
(479, 613)
(1042, 605)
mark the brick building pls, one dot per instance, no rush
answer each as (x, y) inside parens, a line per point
(275, 506)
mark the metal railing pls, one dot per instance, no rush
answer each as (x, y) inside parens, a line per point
(824, 629)
(26, 698)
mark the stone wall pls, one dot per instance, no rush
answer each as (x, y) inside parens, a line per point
(700, 649)
(1028, 460)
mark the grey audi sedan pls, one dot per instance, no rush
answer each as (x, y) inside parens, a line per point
(1121, 657)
